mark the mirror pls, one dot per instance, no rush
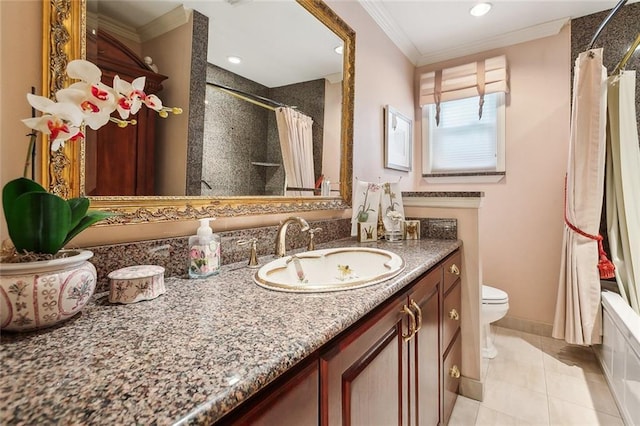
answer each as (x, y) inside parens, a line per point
(62, 175)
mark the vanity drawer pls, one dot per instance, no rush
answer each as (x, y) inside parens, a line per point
(452, 270)
(451, 313)
(451, 379)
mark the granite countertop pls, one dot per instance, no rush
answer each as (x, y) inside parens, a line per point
(189, 356)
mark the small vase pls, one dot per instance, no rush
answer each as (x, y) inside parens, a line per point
(392, 229)
(40, 294)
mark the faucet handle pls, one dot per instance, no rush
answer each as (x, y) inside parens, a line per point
(312, 244)
(253, 256)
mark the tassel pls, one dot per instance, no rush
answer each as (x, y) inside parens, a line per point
(605, 266)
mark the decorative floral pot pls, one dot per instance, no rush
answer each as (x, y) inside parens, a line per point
(40, 294)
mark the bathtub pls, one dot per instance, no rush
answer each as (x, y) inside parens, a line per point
(619, 354)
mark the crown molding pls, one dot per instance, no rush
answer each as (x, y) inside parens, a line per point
(515, 37)
(379, 14)
(165, 23)
(112, 26)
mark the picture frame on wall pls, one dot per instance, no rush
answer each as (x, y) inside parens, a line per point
(398, 140)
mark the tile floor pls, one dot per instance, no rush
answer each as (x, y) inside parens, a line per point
(538, 380)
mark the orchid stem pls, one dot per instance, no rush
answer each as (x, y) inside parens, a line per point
(32, 142)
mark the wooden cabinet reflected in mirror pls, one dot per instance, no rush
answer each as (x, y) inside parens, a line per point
(121, 161)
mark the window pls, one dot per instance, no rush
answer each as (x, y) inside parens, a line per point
(462, 146)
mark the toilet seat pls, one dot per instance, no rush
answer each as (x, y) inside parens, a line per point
(493, 296)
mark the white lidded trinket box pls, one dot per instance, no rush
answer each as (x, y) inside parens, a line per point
(136, 283)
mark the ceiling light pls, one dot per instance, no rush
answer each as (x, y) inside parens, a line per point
(339, 49)
(480, 9)
(234, 59)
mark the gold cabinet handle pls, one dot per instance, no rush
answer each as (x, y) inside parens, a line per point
(454, 315)
(454, 372)
(454, 269)
(415, 306)
(412, 323)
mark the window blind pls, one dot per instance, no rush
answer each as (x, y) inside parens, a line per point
(462, 142)
(464, 81)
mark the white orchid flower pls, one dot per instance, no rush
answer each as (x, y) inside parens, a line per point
(60, 120)
(90, 102)
(130, 95)
(153, 102)
(96, 100)
(84, 70)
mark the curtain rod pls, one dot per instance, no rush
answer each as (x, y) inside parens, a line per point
(623, 62)
(606, 21)
(251, 96)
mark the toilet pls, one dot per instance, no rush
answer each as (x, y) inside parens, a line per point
(495, 304)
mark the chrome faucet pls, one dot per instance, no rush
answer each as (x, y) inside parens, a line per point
(281, 247)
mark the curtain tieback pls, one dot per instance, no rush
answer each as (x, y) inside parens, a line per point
(605, 266)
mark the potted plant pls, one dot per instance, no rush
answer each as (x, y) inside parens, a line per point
(41, 284)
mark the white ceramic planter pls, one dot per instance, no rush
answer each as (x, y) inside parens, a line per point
(40, 294)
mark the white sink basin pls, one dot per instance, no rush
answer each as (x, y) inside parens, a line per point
(329, 270)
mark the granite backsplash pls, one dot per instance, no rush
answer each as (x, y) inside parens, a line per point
(172, 253)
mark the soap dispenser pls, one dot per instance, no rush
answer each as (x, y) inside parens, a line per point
(204, 251)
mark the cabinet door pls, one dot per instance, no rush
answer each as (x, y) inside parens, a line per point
(364, 376)
(451, 314)
(295, 402)
(424, 353)
(451, 379)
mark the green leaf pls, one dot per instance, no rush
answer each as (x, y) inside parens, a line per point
(79, 207)
(13, 190)
(39, 222)
(89, 219)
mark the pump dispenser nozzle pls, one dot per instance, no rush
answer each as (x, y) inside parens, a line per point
(205, 229)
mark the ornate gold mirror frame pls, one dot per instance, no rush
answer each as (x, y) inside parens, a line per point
(64, 29)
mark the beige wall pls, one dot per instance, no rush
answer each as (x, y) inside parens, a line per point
(521, 217)
(331, 135)
(383, 77)
(171, 52)
(20, 68)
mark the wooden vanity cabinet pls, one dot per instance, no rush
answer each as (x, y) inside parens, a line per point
(451, 344)
(424, 351)
(388, 371)
(399, 365)
(291, 400)
(363, 376)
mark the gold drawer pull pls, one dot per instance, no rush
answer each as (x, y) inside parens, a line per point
(454, 315)
(454, 372)
(412, 324)
(454, 269)
(415, 306)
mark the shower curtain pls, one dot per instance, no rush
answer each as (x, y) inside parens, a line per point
(623, 186)
(577, 317)
(296, 144)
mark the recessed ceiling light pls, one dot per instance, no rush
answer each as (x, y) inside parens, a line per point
(480, 9)
(339, 49)
(234, 59)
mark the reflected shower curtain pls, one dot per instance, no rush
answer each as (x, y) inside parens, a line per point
(296, 144)
(577, 317)
(623, 186)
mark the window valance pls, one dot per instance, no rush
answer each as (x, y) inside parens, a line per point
(464, 81)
